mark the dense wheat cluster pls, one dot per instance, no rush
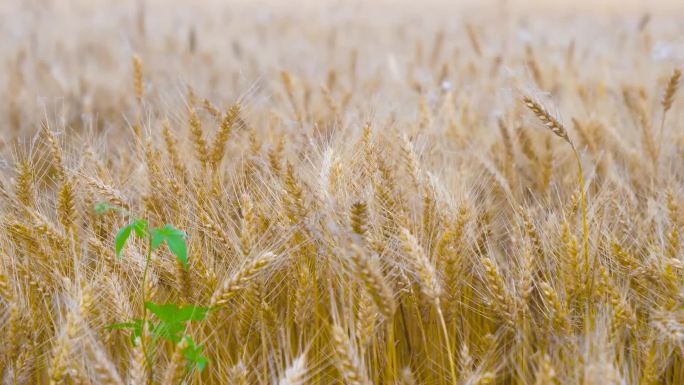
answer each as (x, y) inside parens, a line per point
(369, 193)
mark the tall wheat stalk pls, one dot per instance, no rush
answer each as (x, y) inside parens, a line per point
(557, 128)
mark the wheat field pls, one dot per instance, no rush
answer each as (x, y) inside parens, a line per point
(341, 192)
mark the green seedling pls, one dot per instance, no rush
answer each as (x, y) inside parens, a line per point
(171, 319)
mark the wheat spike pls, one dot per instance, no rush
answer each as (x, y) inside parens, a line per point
(425, 270)
(175, 369)
(138, 366)
(196, 135)
(66, 204)
(240, 279)
(56, 152)
(359, 218)
(23, 185)
(546, 118)
(227, 123)
(105, 371)
(671, 90)
(375, 283)
(138, 86)
(296, 373)
(346, 360)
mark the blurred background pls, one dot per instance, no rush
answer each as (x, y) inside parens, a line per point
(69, 60)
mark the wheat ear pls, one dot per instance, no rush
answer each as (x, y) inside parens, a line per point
(240, 279)
(295, 374)
(375, 283)
(346, 360)
(671, 90)
(557, 128)
(138, 78)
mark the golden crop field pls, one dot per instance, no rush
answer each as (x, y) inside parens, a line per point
(341, 192)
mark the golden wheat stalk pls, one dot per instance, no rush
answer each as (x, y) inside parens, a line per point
(557, 128)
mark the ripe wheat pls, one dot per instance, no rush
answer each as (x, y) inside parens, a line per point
(318, 193)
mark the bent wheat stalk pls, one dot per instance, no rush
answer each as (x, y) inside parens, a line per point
(557, 128)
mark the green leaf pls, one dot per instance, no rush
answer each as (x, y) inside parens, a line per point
(140, 228)
(168, 331)
(175, 240)
(121, 325)
(171, 313)
(121, 238)
(172, 318)
(101, 207)
(193, 354)
(179, 249)
(135, 325)
(193, 313)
